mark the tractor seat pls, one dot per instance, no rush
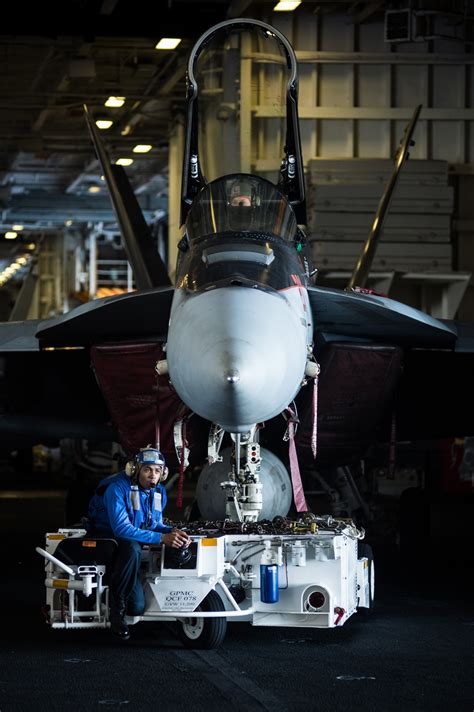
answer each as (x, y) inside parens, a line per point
(86, 551)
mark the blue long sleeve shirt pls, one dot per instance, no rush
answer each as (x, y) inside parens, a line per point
(128, 511)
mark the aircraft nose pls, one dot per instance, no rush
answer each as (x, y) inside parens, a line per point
(236, 355)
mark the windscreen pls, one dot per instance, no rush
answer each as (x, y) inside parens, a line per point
(241, 203)
(242, 78)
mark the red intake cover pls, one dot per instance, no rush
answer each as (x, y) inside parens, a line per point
(137, 398)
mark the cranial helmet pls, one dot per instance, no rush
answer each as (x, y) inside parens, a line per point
(146, 456)
(150, 456)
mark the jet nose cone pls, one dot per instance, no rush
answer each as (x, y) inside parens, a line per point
(236, 355)
(232, 376)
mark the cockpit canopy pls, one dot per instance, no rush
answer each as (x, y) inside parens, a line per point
(241, 203)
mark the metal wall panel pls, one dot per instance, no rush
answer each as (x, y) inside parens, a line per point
(342, 255)
(357, 91)
(342, 199)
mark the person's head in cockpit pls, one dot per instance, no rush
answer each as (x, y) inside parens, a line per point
(241, 194)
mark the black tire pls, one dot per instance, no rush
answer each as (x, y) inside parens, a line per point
(365, 551)
(204, 633)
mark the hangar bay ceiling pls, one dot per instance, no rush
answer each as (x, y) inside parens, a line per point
(63, 55)
(48, 169)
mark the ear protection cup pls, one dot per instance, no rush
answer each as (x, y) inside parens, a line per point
(131, 468)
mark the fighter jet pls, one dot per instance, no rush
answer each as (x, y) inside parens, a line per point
(244, 331)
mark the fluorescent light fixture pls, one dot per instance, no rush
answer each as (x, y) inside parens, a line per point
(115, 102)
(94, 189)
(142, 148)
(18, 228)
(286, 5)
(124, 161)
(168, 43)
(103, 123)
(10, 235)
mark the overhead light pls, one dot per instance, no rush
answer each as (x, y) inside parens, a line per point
(10, 235)
(18, 228)
(142, 148)
(94, 189)
(124, 161)
(115, 102)
(22, 261)
(286, 5)
(103, 123)
(31, 246)
(68, 223)
(126, 130)
(168, 43)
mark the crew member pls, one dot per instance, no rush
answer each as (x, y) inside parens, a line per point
(241, 194)
(129, 507)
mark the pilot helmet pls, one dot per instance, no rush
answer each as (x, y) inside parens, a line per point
(242, 193)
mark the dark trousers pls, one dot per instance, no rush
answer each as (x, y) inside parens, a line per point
(125, 585)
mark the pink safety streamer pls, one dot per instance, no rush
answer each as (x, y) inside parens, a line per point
(297, 484)
(314, 431)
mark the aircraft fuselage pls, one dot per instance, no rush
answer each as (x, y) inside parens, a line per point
(240, 323)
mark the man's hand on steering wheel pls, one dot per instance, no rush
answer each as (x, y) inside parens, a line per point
(176, 539)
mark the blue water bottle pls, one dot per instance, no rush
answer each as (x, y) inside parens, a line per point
(269, 583)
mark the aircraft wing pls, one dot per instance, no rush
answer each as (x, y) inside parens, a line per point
(145, 315)
(465, 335)
(136, 315)
(375, 318)
(20, 335)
